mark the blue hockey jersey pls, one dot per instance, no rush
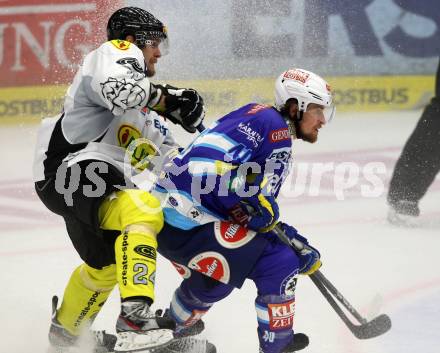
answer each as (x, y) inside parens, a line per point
(207, 180)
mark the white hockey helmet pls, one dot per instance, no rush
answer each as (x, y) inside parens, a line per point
(306, 87)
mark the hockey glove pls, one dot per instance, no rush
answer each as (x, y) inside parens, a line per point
(263, 212)
(261, 208)
(183, 106)
(309, 257)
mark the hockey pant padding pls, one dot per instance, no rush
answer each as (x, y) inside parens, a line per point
(194, 298)
(138, 215)
(84, 296)
(275, 275)
(130, 207)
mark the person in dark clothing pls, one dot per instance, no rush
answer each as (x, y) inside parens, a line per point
(417, 165)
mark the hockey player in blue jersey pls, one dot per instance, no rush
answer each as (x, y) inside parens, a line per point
(219, 198)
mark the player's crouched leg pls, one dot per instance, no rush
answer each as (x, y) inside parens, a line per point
(275, 275)
(84, 296)
(137, 214)
(191, 301)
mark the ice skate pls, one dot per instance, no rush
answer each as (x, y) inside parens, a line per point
(404, 213)
(186, 331)
(299, 342)
(140, 330)
(184, 341)
(62, 341)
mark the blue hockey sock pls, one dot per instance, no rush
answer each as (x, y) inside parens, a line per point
(186, 309)
(275, 315)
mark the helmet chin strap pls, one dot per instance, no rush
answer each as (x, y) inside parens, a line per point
(293, 124)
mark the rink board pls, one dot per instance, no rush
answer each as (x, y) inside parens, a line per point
(352, 93)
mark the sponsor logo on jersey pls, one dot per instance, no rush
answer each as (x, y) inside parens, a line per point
(173, 202)
(279, 135)
(297, 75)
(146, 250)
(163, 130)
(121, 44)
(256, 108)
(195, 214)
(251, 135)
(232, 235)
(139, 149)
(124, 247)
(280, 155)
(91, 302)
(281, 315)
(211, 264)
(132, 63)
(288, 285)
(238, 214)
(184, 271)
(126, 134)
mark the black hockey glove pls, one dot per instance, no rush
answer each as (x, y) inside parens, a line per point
(183, 106)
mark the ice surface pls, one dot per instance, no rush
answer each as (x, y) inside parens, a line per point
(362, 255)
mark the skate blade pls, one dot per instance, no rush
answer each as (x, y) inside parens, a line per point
(148, 342)
(186, 345)
(76, 349)
(72, 349)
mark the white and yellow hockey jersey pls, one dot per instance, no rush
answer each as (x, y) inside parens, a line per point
(103, 113)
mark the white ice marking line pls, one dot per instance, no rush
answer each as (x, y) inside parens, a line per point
(32, 204)
(35, 251)
(40, 9)
(17, 223)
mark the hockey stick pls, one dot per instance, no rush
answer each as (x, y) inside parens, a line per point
(200, 128)
(367, 329)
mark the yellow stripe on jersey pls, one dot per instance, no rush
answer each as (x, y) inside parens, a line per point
(223, 167)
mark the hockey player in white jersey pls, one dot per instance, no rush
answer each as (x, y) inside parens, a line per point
(78, 177)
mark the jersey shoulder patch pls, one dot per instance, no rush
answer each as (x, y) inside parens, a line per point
(120, 44)
(256, 108)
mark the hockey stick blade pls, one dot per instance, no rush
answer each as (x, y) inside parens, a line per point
(367, 329)
(376, 327)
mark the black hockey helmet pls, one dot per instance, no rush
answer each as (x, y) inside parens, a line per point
(142, 25)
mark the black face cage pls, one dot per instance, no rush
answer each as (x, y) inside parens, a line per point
(143, 37)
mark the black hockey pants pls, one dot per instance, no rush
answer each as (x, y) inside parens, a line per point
(419, 162)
